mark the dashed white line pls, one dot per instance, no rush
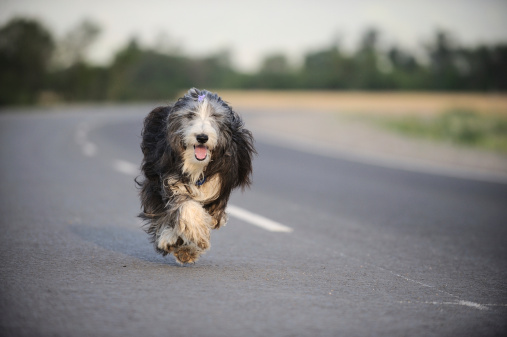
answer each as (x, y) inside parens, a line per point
(473, 305)
(131, 169)
(460, 303)
(88, 148)
(125, 167)
(257, 220)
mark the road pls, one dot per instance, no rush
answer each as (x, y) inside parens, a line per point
(368, 250)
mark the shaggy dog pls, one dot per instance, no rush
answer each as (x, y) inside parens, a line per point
(196, 152)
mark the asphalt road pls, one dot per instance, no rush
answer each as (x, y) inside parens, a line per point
(373, 251)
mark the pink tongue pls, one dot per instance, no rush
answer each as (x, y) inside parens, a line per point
(200, 152)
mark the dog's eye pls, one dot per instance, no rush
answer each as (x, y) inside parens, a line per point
(190, 115)
(215, 115)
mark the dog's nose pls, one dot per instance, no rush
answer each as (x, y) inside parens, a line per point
(202, 138)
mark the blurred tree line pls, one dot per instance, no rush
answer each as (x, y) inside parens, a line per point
(34, 67)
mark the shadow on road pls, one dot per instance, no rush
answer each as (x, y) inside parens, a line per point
(121, 240)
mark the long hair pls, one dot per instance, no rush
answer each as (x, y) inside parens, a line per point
(167, 146)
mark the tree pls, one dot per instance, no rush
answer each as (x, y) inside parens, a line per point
(137, 73)
(485, 67)
(212, 71)
(73, 78)
(443, 52)
(25, 51)
(402, 60)
(275, 73)
(73, 47)
(327, 69)
(275, 64)
(407, 73)
(366, 62)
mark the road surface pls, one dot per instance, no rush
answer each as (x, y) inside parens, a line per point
(362, 250)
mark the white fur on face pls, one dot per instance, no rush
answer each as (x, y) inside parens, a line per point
(202, 122)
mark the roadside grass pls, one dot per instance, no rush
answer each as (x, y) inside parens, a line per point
(469, 119)
(460, 126)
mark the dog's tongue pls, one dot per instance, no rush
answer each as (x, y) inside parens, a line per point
(200, 152)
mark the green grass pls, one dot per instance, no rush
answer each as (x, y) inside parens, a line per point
(459, 126)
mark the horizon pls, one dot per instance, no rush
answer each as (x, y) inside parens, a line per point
(251, 31)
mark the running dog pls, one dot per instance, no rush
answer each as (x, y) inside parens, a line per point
(196, 152)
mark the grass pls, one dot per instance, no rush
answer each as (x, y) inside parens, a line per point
(480, 123)
(459, 126)
(366, 103)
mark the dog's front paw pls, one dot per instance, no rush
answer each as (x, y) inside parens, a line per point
(195, 224)
(187, 254)
(168, 241)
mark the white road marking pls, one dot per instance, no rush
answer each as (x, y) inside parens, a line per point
(473, 305)
(88, 148)
(126, 167)
(257, 220)
(131, 169)
(461, 303)
(457, 302)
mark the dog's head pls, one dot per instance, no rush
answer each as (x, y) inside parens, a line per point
(209, 136)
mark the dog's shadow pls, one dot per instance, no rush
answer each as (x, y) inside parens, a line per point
(129, 242)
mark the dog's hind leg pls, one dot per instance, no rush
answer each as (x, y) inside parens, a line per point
(219, 219)
(217, 212)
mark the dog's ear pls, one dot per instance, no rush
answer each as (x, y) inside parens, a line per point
(154, 141)
(244, 150)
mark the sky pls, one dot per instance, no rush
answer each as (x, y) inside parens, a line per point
(250, 30)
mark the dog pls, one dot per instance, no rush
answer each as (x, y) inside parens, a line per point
(196, 151)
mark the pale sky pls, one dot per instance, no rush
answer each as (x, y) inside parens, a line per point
(253, 29)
